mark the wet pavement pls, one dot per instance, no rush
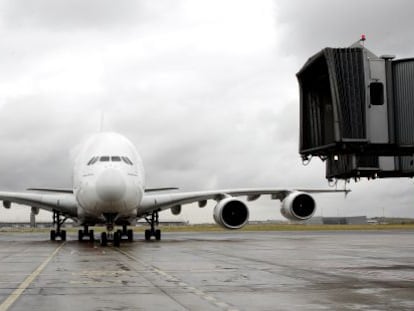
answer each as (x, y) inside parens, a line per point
(211, 271)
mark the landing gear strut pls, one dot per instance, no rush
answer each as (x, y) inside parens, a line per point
(58, 221)
(87, 233)
(153, 221)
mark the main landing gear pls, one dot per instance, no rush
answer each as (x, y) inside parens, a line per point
(86, 233)
(58, 221)
(153, 221)
(116, 236)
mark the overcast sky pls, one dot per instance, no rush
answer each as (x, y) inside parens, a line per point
(205, 89)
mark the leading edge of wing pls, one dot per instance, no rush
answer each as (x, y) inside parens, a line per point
(160, 189)
(62, 202)
(153, 202)
(57, 190)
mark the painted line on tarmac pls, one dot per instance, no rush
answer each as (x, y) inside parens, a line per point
(220, 304)
(11, 299)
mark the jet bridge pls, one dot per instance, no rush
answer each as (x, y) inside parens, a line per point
(357, 113)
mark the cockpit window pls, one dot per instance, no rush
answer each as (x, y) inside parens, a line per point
(127, 160)
(93, 160)
(109, 158)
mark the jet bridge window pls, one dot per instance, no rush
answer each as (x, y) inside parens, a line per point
(376, 90)
(115, 159)
(104, 159)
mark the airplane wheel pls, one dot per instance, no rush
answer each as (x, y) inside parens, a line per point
(147, 235)
(158, 235)
(91, 235)
(130, 234)
(63, 235)
(52, 235)
(104, 239)
(117, 239)
(80, 235)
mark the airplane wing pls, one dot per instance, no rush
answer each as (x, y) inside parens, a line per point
(160, 202)
(61, 190)
(61, 202)
(160, 189)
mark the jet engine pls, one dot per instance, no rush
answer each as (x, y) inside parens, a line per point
(176, 210)
(6, 204)
(231, 213)
(298, 206)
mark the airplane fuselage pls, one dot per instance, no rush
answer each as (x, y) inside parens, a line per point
(108, 180)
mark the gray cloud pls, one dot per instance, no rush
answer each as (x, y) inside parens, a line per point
(309, 26)
(76, 14)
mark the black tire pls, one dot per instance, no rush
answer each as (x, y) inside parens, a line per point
(52, 235)
(91, 236)
(117, 239)
(130, 234)
(158, 234)
(147, 235)
(80, 235)
(104, 239)
(63, 235)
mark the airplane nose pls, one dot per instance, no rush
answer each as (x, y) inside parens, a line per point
(110, 186)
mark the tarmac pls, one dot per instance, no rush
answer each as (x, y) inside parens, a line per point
(333, 270)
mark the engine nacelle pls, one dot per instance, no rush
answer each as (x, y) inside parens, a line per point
(176, 210)
(6, 204)
(231, 213)
(298, 206)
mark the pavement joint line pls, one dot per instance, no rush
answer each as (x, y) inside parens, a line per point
(183, 285)
(11, 299)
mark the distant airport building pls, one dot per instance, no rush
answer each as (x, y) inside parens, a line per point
(355, 220)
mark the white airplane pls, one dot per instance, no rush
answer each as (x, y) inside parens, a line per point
(109, 189)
